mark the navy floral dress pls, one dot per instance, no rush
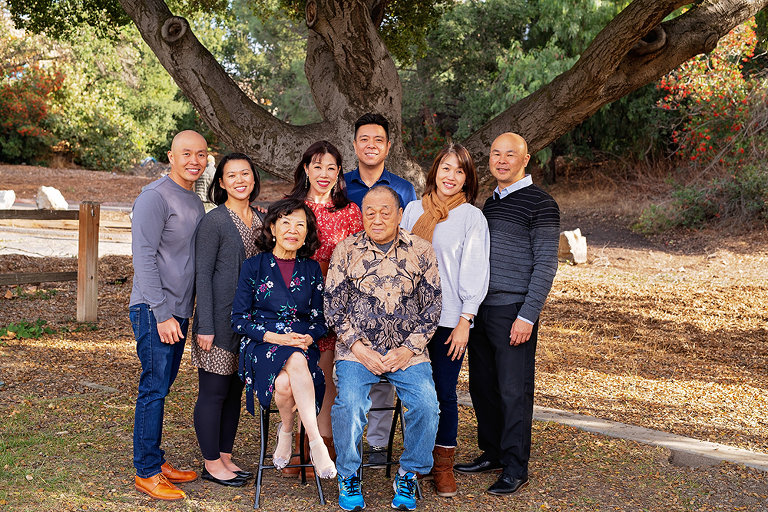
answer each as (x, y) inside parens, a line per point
(264, 302)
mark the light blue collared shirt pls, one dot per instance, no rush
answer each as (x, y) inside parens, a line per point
(513, 187)
(525, 182)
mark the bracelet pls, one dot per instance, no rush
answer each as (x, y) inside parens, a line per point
(468, 318)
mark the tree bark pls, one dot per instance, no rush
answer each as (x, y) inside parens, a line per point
(351, 73)
(616, 63)
(348, 68)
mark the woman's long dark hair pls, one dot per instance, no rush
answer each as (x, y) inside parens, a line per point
(216, 193)
(301, 179)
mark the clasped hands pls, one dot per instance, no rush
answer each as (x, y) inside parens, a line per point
(377, 364)
(290, 339)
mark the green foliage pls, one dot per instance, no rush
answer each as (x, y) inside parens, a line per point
(119, 104)
(451, 85)
(404, 28)
(25, 95)
(114, 105)
(26, 329)
(60, 19)
(406, 25)
(81, 327)
(630, 126)
(265, 56)
(742, 194)
(568, 25)
(485, 55)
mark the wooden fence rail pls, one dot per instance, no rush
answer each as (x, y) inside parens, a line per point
(87, 256)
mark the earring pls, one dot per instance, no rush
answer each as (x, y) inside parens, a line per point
(273, 239)
(307, 175)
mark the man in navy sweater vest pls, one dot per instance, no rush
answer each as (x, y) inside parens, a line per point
(524, 225)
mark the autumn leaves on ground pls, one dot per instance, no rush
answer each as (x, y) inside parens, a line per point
(667, 333)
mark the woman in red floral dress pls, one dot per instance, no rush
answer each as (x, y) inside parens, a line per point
(319, 181)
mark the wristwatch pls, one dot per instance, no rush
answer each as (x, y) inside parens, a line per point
(468, 318)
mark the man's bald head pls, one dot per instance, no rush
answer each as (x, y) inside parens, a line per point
(511, 138)
(509, 156)
(188, 157)
(187, 137)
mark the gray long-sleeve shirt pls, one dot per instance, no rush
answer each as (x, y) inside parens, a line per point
(165, 218)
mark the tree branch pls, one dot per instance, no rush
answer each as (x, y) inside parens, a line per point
(616, 63)
(240, 123)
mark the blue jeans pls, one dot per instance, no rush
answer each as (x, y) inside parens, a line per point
(159, 367)
(416, 390)
(445, 372)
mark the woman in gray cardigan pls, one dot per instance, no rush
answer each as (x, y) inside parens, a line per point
(225, 238)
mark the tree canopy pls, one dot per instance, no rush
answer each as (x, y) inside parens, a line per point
(354, 47)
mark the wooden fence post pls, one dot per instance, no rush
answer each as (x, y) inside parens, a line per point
(88, 262)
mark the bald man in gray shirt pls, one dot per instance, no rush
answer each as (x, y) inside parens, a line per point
(165, 218)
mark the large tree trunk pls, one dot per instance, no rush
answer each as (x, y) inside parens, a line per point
(350, 73)
(348, 68)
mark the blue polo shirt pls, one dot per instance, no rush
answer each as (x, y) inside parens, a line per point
(356, 187)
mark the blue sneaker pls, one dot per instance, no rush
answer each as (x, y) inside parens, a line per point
(350, 495)
(405, 491)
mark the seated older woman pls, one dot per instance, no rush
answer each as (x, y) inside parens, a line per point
(278, 308)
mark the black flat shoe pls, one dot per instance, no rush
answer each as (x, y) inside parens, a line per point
(244, 474)
(237, 481)
(507, 484)
(478, 466)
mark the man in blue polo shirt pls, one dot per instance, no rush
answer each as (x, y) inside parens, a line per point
(372, 145)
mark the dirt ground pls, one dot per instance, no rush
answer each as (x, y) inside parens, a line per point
(668, 332)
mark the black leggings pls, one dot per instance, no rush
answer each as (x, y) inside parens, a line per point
(217, 412)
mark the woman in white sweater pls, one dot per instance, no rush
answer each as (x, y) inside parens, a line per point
(459, 234)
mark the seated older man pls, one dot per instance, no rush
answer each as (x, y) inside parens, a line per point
(383, 299)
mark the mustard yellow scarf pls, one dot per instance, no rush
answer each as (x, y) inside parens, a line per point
(435, 211)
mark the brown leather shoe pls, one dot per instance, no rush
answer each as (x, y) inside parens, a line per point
(177, 476)
(331, 448)
(426, 476)
(159, 488)
(296, 472)
(445, 483)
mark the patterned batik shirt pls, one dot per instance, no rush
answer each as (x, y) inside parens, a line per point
(385, 301)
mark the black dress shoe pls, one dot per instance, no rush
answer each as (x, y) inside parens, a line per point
(237, 481)
(477, 466)
(507, 484)
(244, 474)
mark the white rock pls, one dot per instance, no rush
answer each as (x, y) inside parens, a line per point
(573, 246)
(49, 198)
(7, 198)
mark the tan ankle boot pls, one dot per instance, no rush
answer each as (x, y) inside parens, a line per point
(445, 483)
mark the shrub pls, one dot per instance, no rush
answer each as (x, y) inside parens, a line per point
(742, 194)
(716, 100)
(24, 113)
